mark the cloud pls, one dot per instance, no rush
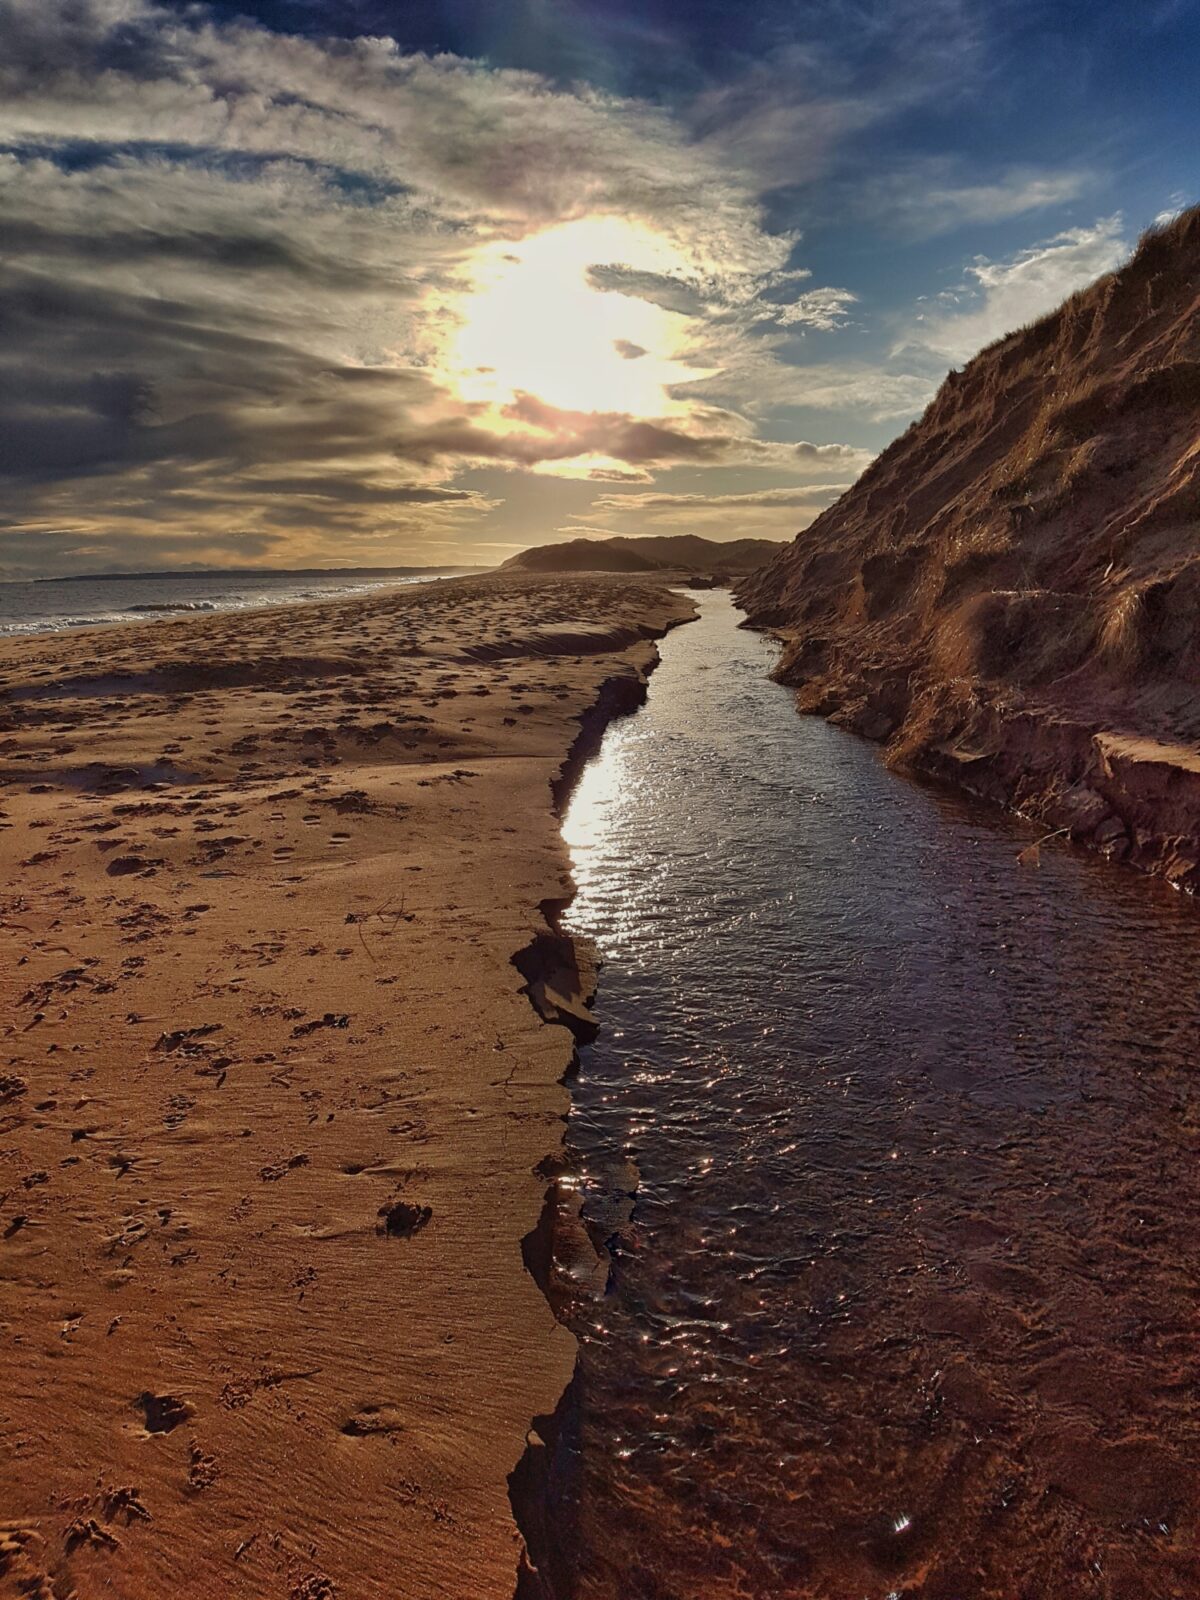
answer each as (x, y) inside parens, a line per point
(1000, 296)
(1176, 204)
(856, 389)
(62, 551)
(772, 513)
(465, 143)
(784, 121)
(540, 434)
(232, 258)
(236, 263)
(809, 497)
(823, 456)
(823, 309)
(920, 199)
(659, 288)
(937, 207)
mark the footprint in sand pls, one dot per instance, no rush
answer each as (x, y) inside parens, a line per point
(22, 1562)
(372, 1420)
(163, 1412)
(313, 1586)
(202, 1469)
(86, 1530)
(124, 1503)
(280, 1169)
(400, 1219)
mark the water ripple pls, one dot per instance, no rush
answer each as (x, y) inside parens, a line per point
(905, 1302)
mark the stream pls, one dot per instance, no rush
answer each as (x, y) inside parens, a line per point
(893, 1140)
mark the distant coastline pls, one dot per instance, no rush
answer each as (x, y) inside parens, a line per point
(81, 600)
(176, 573)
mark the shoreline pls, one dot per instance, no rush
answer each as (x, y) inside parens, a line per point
(268, 592)
(562, 974)
(271, 1329)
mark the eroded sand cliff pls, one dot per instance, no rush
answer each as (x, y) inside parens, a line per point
(1009, 596)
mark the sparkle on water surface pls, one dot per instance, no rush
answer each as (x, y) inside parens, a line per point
(893, 1141)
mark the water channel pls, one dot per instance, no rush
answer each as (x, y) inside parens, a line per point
(894, 1141)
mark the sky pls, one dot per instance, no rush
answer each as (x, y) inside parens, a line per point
(305, 283)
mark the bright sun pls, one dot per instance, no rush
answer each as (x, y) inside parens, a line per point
(532, 323)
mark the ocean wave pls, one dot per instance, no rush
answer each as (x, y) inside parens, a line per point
(11, 628)
(16, 621)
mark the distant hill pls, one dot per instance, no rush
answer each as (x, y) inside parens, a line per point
(579, 555)
(684, 552)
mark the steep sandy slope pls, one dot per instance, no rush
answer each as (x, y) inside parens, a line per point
(1009, 595)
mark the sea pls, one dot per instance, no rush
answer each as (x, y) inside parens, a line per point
(53, 605)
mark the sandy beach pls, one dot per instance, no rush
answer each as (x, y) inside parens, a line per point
(274, 1097)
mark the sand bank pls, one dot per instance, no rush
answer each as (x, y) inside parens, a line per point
(272, 1091)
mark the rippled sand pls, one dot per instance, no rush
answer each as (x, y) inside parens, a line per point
(905, 1300)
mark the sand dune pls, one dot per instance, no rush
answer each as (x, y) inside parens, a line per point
(272, 1092)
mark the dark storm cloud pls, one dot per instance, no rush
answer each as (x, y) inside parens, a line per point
(352, 491)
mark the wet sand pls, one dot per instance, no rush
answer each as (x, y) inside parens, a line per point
(272, 1091)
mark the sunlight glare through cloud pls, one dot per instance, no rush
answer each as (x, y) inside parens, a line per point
(532, 323)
